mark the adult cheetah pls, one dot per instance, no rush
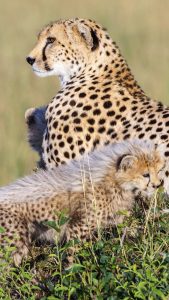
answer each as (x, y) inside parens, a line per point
(91, 191)
(100, 101)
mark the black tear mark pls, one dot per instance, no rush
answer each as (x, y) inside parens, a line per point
(95, 40)
(44, 58)
(50, 40)
(47, 68)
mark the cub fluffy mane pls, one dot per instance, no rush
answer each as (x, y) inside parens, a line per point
(92, 166)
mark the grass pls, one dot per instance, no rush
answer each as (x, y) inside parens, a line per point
(128, 262)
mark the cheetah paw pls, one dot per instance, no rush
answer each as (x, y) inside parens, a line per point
(19, 255)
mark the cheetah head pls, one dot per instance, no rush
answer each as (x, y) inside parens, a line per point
(64, 48)
(139, 172)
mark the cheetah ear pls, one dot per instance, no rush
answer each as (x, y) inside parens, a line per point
(89, 35)
(86, 33)
(125, 162)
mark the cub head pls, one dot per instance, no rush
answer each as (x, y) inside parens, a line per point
(65, 47)
(139, 170)
(36, 126)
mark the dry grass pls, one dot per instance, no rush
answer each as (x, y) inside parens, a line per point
(140, 27)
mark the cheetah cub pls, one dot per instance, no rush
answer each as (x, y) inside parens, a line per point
(91, 191)
(36, 125)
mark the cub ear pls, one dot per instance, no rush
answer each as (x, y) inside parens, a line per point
(87, 34)
(125, 162)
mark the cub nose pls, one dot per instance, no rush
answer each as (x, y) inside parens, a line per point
(30, 60)
(156, 186)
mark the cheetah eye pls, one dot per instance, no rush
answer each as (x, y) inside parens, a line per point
(146, 175)
(161, 170)
(50, 40)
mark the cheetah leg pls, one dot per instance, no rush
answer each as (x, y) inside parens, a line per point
(21, 252)
(79, 231)
(15, 234)
(83, 223)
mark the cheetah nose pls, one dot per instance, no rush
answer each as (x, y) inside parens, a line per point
(30, 60)
(156, 186)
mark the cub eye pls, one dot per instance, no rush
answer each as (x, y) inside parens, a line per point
(160, 170)
(50, 40)
(146, 175)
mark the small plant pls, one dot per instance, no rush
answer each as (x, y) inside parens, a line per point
(62, 220)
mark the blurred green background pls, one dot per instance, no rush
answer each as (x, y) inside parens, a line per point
(141, 28)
